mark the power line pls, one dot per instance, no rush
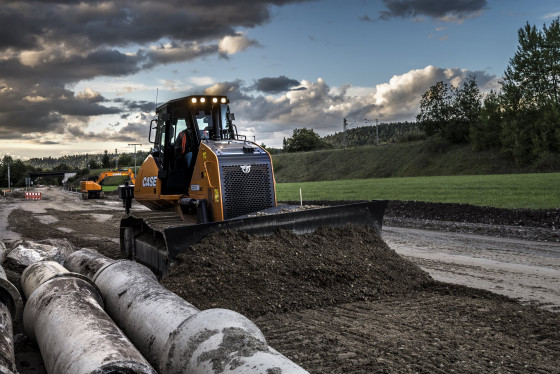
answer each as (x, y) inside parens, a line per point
(135, 144)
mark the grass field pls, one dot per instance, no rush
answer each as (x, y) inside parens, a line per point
(414, 159)
(533, 191)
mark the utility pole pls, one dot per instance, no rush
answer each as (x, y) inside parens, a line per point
(344, 126)
(376, 132)
(135, 144)
(116, 160)
(8, 174)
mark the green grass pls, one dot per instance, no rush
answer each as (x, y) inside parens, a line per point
(533, 191)
(420, 158)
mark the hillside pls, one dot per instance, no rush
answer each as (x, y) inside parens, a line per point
(394, 132)
(419, 158)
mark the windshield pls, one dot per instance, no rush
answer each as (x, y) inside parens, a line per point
(228, 130)
(204, 124)
(180, 126)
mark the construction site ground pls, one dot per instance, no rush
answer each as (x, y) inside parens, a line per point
(449, 288)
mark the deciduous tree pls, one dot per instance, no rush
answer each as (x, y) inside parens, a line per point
(450, 111)
(304, 140)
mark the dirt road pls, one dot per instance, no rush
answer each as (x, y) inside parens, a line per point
(520, 269)
(434, 327)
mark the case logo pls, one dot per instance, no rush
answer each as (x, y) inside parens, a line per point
(149, 181)
(246, 169)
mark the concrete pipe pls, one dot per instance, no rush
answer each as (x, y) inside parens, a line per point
(175, 336)
(74, 334)
(223, 341)
(89, 262)
(10, 311)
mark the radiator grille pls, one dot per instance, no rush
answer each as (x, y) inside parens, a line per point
(246, 193)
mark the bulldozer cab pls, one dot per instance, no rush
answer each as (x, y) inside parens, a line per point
(180, 127)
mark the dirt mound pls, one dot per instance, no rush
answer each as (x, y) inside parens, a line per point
(546, 218)
(284, 272)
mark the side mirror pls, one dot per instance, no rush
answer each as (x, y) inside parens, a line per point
(152, 135)
(231, 117)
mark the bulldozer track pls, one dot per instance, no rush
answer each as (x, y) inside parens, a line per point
(159, 221)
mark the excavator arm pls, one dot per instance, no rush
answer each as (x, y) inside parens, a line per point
(92, 189)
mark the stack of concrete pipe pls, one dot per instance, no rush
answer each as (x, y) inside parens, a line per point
(173, 335)
(10, 311)
(64, 314)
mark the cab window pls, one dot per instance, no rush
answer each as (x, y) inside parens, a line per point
(161, 140)
(180, 125)
(204, 124)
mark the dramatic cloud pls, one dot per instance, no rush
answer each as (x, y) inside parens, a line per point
(232, 44)
(453, 11)
(323, 108)
(276, 85)
(231, 89)
(48, 46)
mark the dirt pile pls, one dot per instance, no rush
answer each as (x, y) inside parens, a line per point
(545, 218)
(527, 224)
(420, 210)
(285, 272)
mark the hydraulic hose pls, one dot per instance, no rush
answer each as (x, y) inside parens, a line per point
(174, 335)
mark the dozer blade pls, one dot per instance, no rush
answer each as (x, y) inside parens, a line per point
(155, 239)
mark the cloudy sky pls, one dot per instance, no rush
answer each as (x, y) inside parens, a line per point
(85, 76)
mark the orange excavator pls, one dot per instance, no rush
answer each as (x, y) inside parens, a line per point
(92, 187)
(202, 176)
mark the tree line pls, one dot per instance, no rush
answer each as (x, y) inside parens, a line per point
(19, 170)
(384, 133)
(92, 161)
(303, 140)
(522, 120)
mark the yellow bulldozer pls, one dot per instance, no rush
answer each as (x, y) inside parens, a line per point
(202, 176)
(92, 187)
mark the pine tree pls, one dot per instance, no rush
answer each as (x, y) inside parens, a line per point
(106, 160)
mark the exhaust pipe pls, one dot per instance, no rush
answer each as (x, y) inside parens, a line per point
(10, 311)
(64, 314)
(174, 335)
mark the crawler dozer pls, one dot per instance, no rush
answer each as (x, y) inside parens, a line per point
(202, 176)
(92, 187)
